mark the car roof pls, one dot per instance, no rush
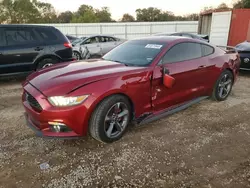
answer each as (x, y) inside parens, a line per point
(183, 33)
(100, 36)
(166, 39)
(24, 25)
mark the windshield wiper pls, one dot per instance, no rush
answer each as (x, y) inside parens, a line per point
(121, 63)
(117, 61)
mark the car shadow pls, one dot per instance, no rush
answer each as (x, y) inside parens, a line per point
(244, 73)
(13, 79)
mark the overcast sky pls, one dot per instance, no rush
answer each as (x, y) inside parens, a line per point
(119, 7)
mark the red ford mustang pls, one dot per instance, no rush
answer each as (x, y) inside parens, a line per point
(141, 80)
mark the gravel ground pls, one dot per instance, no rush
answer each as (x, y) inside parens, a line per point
(206, 145)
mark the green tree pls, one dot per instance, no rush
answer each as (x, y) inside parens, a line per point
(166, 16)
(242, 4)
(47, 12)
(18, 11)
(103, 15)
(85, 14)
(65, 17)
(222, 6)
(192, 17)
(148, 14)
(127, 18)
(26, 11)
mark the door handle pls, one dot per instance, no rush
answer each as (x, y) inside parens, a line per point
(202, 66)
(38, 49)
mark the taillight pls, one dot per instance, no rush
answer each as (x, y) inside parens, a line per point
(67, 45)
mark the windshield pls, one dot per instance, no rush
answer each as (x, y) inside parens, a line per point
(77, 41)
(136, 52)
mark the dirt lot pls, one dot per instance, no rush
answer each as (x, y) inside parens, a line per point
(206, 145)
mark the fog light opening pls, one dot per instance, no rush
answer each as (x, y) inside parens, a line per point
(59, 127)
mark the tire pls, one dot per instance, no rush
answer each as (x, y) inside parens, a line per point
(223, 86)
(77, 55)
(46, 63)
(103, 119)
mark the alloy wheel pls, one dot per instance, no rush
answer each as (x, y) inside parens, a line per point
(225, 86)
(116, 120)
(76, 55)
(47, 65)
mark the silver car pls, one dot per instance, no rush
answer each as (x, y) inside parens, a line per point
(95, 46)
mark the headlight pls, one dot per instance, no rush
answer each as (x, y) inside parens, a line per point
(67, 101)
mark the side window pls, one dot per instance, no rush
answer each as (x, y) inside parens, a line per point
(19, 36)
(183, 52)
(206, 50)
(102, 39)
(111, 39)
(46, 34)
(91, 40)
(107, 39)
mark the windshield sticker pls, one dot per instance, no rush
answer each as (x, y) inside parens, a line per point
(154, 46)
(149, 59)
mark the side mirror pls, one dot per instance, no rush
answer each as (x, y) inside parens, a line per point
(168, 80)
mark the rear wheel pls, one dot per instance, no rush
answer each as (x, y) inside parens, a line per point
(223, 86)
(110, 119)
(46, 63)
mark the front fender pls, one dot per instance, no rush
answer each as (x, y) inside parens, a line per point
(136, 88)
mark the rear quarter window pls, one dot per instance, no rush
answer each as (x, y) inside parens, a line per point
(47, 34)
(206, 50)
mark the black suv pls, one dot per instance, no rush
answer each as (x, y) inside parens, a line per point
(26, 48)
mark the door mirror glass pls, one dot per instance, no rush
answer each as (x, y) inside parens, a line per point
(168, 80)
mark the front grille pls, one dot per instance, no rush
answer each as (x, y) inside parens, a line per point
(33, 102)
(244, 64)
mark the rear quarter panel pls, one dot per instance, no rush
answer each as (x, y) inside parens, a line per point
(219, 62)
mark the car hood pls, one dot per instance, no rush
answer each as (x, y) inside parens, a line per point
(63, 78)
(244, 46)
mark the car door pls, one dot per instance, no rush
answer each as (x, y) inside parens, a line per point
(183, 63)
(107, 43)
(93, 45)
(22, 48)
(8, 57)
(3, 59)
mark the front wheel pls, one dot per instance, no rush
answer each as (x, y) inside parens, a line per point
(223, 86)
(77, 55)
(110, 119)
